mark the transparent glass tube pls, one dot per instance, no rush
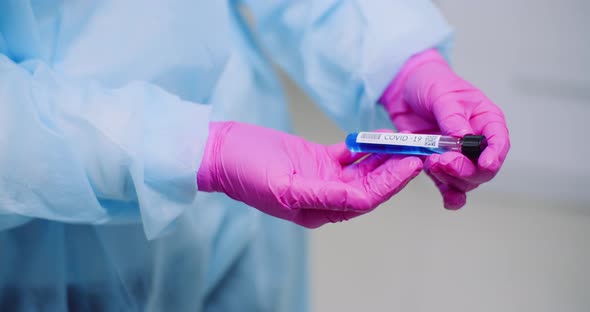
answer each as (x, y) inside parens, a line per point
(414, 144)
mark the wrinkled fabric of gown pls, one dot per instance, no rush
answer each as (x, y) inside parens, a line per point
(104, 107)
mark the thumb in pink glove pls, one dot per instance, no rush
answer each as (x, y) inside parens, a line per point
(428, 97)
(289, 178)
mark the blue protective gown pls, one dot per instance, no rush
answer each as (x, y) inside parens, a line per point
(104, 108)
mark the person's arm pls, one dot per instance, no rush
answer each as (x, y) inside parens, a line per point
(345, 53)
(75, 151)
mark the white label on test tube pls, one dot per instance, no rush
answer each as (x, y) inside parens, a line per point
(403, 139)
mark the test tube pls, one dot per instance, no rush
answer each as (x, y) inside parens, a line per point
(415, 144)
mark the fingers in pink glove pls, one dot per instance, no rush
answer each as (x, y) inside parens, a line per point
(312, 219)
(360, 169)
(486, 119)
(390, 177)
(490, 123)
(493, 126)
(451, 117)
(375, 182)
(448, 173)
(343, 155)
(453, 199)
(452, 163)
(363, 187)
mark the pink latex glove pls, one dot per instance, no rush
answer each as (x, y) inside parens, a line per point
(287, 177)
(428, 97)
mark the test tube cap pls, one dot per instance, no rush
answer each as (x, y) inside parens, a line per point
(473, 145)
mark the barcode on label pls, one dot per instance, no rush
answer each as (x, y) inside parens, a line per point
(431, 140)
(370, 136)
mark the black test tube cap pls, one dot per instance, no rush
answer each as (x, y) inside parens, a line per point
(473, 145)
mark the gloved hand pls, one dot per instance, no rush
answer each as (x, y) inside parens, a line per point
(287, 177)
(428, 97)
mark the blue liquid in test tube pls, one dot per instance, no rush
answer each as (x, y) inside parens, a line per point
(415, 144)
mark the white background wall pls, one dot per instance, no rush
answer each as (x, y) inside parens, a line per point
(523, 241)
(531, 57)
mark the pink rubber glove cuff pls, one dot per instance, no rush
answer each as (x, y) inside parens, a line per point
(207, 172)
